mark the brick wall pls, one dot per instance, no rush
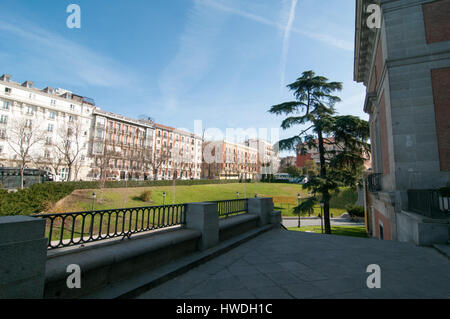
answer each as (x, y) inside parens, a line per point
(441, 94)
(436, 16)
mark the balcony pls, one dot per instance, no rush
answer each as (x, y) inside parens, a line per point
(374, 182)
(430, 203)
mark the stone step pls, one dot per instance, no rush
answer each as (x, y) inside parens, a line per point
(443, 249)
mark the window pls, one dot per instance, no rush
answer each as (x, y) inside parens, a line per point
(3, 119)
(71, 118)
(3, 134)
(32, 96)
(8, 91)
(52, 115)
(28, 123)
(1, 149)
(5, 105)
(52, 102)
(48, 140)
(30, 110)
(72, 107)
(50, 128)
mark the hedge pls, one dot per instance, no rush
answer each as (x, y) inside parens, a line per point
(39, 197)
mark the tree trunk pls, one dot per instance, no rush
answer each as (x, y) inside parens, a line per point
(325, 193)
(21, 176)
(69, 174)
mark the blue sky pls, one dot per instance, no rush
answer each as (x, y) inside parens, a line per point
(224, 62)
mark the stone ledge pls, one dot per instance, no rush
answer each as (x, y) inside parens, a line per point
(233, 221)
(97, 257)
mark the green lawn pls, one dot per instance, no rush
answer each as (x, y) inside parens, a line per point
(284, 196)
(353, 231)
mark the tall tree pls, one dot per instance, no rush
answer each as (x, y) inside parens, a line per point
(314, 108)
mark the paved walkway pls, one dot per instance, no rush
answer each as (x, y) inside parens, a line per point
(281, 264)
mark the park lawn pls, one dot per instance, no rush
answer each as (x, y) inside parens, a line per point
(81, 200)
(352, 231)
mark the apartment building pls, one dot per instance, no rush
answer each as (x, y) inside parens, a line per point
(51, 117)
(268, 155)
(121, 147)
(177, 153)
(228, 160)
(405, 66)
(71, 136)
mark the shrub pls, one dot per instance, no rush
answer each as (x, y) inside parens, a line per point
(355, 211)
(146, 196)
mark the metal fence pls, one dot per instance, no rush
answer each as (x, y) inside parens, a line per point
(429, 203)
(230, 207)
(69, 229)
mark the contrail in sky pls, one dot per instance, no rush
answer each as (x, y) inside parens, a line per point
(287, 35)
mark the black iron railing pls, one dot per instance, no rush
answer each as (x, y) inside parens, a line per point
(429, 203)
(374, 182)
(69, 229)
(232, 207)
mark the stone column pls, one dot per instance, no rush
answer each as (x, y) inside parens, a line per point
(262, 207)
(23, 254)
(205, 218)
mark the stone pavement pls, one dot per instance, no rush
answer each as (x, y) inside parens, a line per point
(282, 264)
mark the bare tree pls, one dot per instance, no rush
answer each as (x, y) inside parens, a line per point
(70, 145)
(22, 138)
(156, 158)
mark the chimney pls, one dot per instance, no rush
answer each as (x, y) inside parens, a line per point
(28, 84)
(5, 77)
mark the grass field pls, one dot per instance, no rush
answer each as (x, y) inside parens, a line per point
(353, 231)
(284, 195)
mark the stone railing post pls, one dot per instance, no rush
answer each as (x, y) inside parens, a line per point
(205, 218)
(23, 254)
(262, 207)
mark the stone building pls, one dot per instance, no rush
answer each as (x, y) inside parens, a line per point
(405, 66)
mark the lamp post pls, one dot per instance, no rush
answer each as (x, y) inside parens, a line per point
(93, 200)
(164, 198)
(321, 216)
(91, 227)
(299, 197)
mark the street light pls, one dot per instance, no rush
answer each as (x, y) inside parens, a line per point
(299, 197)
(93, 200)
(321, 216)
(91, 227)
(164, 198)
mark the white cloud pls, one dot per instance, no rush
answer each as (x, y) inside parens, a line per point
(195, 54)
(75, 62)
(312, 34)
(286, 37)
